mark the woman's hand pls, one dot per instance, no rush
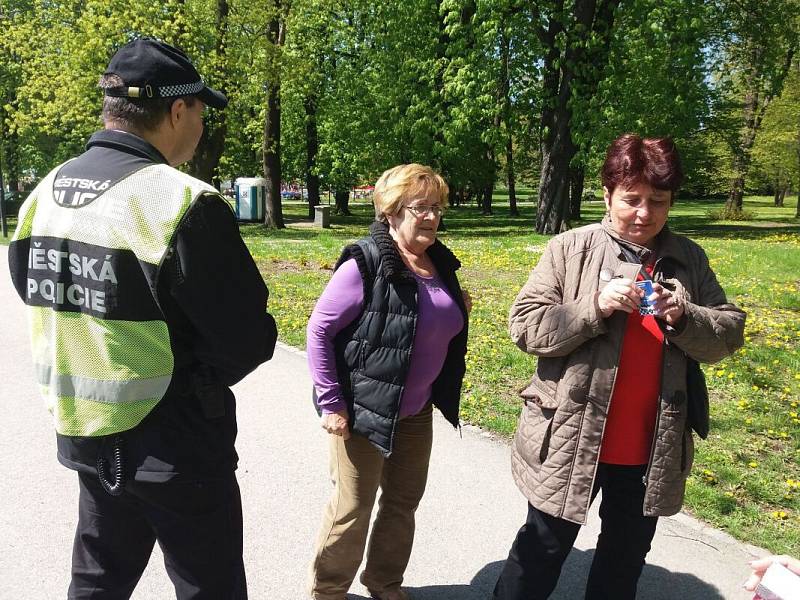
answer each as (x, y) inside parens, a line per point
(467, 300)
(619, 294)
(336, 424)
(669, 306)
(760, 566)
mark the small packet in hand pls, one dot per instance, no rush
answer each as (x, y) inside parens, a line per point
(646, 307)
(779, 583)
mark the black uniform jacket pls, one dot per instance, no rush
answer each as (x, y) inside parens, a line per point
(214, 300)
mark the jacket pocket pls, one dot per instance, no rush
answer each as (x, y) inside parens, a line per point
(532, 395)
(533, 435)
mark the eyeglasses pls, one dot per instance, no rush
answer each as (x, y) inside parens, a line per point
(424, 211)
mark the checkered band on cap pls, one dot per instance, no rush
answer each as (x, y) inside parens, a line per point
(185, 89)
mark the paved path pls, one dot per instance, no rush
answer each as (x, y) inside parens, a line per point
(466, 522)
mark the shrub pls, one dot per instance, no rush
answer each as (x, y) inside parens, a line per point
(731, 214)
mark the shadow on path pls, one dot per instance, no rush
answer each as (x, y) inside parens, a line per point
(656, 583)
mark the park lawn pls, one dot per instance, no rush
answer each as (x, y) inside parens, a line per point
(746, 477)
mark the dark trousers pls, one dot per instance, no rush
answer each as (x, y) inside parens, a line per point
(198, 525)
(534, 563)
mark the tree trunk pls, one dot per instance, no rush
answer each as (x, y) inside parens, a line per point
(12, 161)
(557, 153)
(212, 143)
(452, 196)
(486, 199)
(576, 179)
(312, 148)
(271, 145)
(797, 211)
(9, 147)
(780, 194)
(206, 158)
(272, 157)
(487, 187)
(342, 198)
(736, 197)
(511, 178)
(505, 112)
(741, 153)
(3, 222)
(565, 74)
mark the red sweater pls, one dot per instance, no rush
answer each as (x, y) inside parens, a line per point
(632, 412)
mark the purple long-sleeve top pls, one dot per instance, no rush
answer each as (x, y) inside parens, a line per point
(438, 321)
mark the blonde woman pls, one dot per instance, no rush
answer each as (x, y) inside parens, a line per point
(386, 342)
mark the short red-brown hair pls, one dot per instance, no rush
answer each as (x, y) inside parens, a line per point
(631, 160)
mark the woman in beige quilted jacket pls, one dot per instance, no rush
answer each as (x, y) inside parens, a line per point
(612, 310)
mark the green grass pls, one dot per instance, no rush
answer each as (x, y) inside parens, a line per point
(746, 477)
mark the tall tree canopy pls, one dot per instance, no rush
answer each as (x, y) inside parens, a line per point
(332, 92)
(758, 41)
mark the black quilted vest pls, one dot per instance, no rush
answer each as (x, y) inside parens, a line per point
(373, 354)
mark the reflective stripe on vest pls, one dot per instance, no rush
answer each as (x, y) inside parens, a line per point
(100, 390)
(101, 348)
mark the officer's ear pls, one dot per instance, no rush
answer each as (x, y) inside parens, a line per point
(177, 112)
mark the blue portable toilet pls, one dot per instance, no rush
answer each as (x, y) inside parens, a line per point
(250, 198)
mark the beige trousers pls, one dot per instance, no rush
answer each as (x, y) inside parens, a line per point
(357, 470)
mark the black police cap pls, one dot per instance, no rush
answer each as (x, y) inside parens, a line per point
(150, 68)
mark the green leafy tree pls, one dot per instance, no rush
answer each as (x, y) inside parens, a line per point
(776, 152)
(10, 81)
(654, 85)
(57, 100)
(518, 89)
(758, 42)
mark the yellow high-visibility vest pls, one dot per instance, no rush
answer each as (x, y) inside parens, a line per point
(88, 270)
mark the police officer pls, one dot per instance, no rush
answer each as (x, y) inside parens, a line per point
(145, 306)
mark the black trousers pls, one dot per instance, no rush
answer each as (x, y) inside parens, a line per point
(534, 563)
(198, 525)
